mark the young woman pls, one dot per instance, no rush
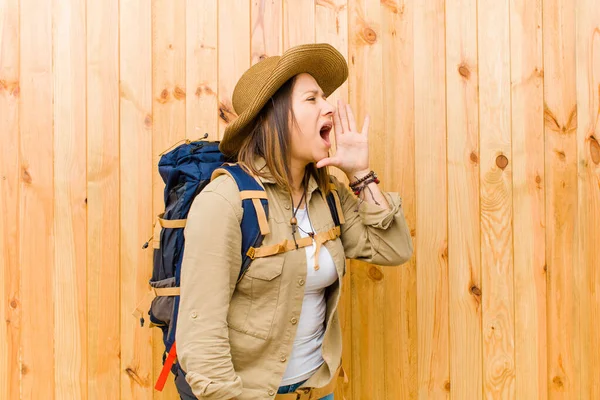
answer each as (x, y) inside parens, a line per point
(275, 333)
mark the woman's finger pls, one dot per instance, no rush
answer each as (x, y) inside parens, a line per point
(337, 123)
(365, 129)
(343, 116)
(325, 162)
(351, 120)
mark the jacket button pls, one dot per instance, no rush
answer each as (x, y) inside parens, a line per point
(287, 206)
(282, 359)
(301, 282)
(271, 392)
(194, 315)
(294, 321)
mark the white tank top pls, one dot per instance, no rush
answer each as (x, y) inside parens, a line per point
(306, 356)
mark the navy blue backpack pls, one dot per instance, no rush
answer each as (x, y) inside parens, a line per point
(186, 170)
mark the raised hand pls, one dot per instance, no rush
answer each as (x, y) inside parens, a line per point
(352, 145)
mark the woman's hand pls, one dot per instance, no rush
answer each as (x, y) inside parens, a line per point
(352, 146)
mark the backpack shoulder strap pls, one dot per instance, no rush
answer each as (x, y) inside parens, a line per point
(335, 206)
(255, 204)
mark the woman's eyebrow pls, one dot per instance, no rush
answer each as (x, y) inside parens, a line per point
(314, 91)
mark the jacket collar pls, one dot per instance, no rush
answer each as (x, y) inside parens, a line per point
(261, 164)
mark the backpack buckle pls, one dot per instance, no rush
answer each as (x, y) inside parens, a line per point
(251, 253)
(303, 394)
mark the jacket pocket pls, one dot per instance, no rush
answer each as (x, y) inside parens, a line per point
(254, 303)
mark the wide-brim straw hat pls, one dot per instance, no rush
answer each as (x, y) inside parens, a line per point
(256, 86)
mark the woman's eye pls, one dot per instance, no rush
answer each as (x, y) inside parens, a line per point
(311, 98)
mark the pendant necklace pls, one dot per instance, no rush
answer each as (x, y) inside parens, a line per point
(294, 220)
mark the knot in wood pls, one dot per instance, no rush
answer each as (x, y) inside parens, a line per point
(475, 290)
(557, 380)
(25, 176)
(464, 71)
(474, 158)
(369, 35)
(501, 161)
(179, 93)
(375, 274)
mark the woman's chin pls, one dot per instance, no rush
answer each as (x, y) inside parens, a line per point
(321, 156)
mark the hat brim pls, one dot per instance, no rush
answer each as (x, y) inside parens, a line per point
(322, 61)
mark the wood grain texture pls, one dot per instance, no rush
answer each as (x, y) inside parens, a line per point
(400, 284)
(266, 29)
(201, 72)
(298, 22)
(331, 26)
(136, 171)
(367, 280)
(496, 200)
(169, 123)
(431, 246)
(464, 255)
(588, 172)
(10, 297)
(527, 115)
(560, 115)
(234, 54)
(484, 119)
(36, 196)
(70, 183)
(103, 206)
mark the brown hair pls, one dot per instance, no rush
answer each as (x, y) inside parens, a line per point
(270, 138)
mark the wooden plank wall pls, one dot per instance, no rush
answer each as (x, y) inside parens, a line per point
(485, 118)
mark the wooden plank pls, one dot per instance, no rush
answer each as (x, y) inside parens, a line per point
(234, 54)
(70, 228)
(368, 281)
(36, 219)
(266, 29)
(136, 193)
(331, 26)
(464, 255)
(588, 171)
(431, 247)
(201, 69)
(298, 22)
(400, 284)
(528, 199)
(496, 199)
(103, 247)
(560, 115)
(10, 307)
(169, 127)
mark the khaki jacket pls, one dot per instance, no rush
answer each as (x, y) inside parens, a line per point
(234, 340)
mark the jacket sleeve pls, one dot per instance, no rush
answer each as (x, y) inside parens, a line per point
(209, 271)
(374, 234)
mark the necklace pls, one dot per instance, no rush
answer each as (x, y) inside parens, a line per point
(294, 220)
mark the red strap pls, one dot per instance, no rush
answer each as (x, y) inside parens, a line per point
(164, 373)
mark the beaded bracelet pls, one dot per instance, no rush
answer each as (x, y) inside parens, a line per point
(364, 178)
(359, 189)
(360, 184)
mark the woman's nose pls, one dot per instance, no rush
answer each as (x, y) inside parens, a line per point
(328, 109)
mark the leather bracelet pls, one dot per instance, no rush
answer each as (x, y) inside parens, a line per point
(357, 189)
(364, 178)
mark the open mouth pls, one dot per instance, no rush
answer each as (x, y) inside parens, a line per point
(325, 131)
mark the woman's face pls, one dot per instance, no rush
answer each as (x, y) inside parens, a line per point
(311, 136)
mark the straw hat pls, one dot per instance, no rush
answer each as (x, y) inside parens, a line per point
(263, 79)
